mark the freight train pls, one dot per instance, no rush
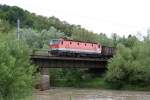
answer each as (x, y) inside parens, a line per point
(66, 47)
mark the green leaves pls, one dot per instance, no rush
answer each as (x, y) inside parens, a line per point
(130, 65)
(36, 39)
(4, 26)
(16, 74)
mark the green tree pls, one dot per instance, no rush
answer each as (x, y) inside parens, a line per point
(130, 65)
(16, 74)
(115, 39)
(104, 40)
(83, 35)
(4, 26)
(38, 40)
(71, 77)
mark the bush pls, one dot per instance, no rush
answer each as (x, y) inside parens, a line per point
(16, 72)
(71, 77)
(130, 66)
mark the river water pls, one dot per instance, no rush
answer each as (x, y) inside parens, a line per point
(90, 94)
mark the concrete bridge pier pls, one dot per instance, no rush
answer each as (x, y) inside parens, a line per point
(44, 82)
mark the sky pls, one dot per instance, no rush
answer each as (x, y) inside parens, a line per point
(123, 17)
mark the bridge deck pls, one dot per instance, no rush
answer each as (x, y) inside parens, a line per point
(66, 58)
(67, 62)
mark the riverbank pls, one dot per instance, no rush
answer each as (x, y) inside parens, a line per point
(89, 94)
(98, 83)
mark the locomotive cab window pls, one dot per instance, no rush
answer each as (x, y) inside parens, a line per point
(55, 41)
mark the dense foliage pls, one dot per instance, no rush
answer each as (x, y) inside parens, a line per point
(130, 65)
(4, 26)
(31, 20)
(36, 39)
(67, 77)
(16, 72)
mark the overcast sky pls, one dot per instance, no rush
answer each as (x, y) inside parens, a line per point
(118, 16)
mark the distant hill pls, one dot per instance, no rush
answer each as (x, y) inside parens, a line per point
(31, 20)
(10, 14)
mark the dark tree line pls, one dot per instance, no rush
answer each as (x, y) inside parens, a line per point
(31, 20)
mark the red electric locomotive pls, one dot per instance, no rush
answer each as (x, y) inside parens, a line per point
(65, 47)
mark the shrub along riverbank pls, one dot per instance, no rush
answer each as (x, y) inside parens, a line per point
(16, 71)
(100, 83)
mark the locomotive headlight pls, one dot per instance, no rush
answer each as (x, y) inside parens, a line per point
(51, 42)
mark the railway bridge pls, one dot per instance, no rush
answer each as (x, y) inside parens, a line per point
(46, 61)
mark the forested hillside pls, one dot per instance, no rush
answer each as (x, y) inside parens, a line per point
(9, 16)
(37, 22)
(31, 20)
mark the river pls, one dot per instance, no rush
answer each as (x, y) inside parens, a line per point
(90, 94)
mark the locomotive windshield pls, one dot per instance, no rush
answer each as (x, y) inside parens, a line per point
(55, 41)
